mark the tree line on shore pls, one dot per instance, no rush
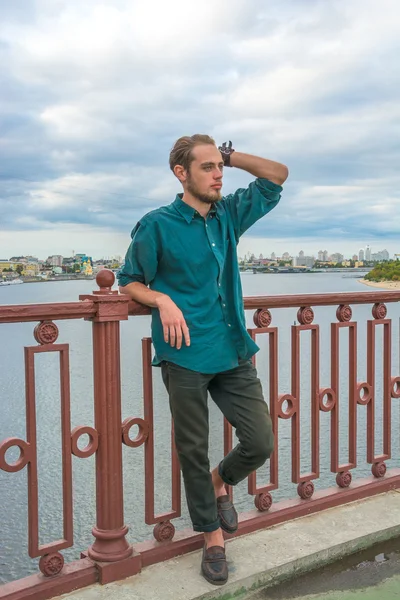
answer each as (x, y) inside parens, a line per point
(387, 271)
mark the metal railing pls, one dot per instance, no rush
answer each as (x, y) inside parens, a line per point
(111, 557)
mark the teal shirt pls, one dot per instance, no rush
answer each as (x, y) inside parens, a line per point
(174, 250)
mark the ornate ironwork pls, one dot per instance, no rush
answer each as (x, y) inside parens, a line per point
(379, 469)
(262, 317)
(46, 332)
(379, 311)
(344, 313)
(305, 490)
(305, 315)
(164, 531)
(344, 479)
(51, 564)
(263, 502)
(90, 448)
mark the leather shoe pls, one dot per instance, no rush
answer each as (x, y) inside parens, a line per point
(227, 514)
(213, 565)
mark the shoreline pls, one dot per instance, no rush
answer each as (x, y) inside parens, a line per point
(383, 285)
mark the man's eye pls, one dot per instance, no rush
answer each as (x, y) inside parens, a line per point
(207, 168)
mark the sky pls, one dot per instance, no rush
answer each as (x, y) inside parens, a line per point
(94, 94)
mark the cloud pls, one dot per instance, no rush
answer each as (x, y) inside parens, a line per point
(94, 95)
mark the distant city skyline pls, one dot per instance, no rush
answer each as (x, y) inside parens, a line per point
(367, 253)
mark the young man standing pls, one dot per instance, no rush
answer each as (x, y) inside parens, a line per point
(182, 263)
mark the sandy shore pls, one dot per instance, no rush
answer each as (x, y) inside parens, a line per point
(383, 285)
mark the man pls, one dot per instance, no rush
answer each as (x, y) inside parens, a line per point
(182, 263)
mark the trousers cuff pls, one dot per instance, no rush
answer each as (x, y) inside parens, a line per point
(224, 478)
(207, 528)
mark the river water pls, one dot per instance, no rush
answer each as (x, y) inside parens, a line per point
(14, 561)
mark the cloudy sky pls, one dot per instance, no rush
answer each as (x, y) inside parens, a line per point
(93, 95)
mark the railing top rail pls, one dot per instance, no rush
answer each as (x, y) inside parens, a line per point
(297, 300)
(19, 313)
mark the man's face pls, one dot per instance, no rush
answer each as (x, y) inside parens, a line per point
(204, 179)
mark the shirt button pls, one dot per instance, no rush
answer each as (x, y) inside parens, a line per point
(229, 325)
(219, 285)
(223, 305)
(213, 244)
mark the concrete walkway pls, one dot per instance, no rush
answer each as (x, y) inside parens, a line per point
(267, 557)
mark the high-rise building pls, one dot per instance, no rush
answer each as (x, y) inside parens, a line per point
(380, 256)
(303, 261)
(273, 256)
(361, 254)
(55, 261)
(320, 255)
(367, 253)
(337, 257)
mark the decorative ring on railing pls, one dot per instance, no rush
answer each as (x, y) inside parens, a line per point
(45, 332)
(51, 564)
(395, 387)
(364, 393)
(379, 470)
(263, 502)
(262, 317)
(344, 479)
(330, 399)
(90, 448)
(379, 310)
(24, 457)
(344, 313)
(305, 315)
(291, 406)
(164, 531)
(305, 490)
(141, 436)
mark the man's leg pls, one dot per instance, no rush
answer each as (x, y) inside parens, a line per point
(238, 394)
(188, 402)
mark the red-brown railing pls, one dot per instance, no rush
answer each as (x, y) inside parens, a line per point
(111, 557)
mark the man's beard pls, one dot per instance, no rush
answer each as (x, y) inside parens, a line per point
(206, 198)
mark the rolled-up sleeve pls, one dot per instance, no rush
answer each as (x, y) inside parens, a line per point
(248, 205)
(141, 259)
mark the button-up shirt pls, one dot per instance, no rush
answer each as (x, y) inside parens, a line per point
(192, 259)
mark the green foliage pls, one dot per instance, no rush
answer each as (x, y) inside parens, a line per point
(387, 271)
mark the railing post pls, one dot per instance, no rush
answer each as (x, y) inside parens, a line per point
(110, 543)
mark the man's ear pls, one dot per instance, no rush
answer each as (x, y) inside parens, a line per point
(180, 173)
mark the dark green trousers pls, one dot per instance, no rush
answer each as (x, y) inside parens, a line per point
(238, 394)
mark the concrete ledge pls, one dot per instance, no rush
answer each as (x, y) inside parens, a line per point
(266, 557)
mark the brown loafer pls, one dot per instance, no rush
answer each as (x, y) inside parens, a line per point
(213, 565)
(227, 514)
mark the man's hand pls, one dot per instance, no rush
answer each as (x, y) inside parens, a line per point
(174, 324)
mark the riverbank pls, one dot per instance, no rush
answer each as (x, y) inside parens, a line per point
(383, 285)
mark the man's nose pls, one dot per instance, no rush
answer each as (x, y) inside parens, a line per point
(218, 173)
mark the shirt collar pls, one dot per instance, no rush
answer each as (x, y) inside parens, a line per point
(187, 211)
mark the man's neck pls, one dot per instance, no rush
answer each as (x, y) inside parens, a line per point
(203, 208)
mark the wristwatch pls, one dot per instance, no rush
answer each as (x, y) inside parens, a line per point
(226, 151)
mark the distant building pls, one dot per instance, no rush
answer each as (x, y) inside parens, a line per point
(337, 257)
(273, 256)
(380, 256)
(303, 261)
(320, 255)
(361, 254)
(56, 260)
(286, 256)
(367, 253)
